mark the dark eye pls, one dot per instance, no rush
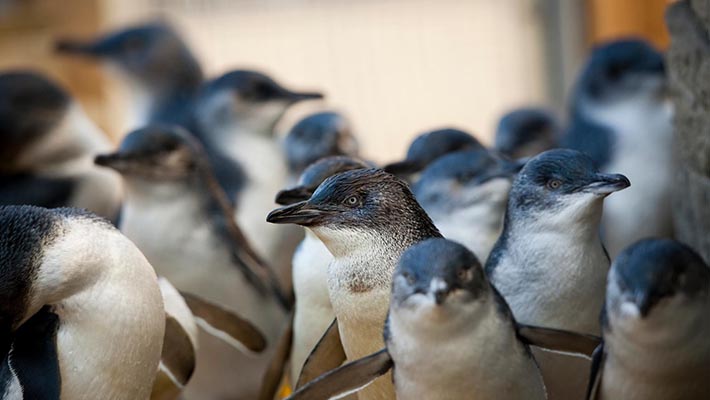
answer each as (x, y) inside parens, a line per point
(554, 184)
(352, 201)
(409, 277)
(464, 274)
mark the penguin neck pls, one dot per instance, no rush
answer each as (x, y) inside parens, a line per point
(106, 295)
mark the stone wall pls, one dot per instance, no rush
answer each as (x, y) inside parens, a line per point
(688, 60)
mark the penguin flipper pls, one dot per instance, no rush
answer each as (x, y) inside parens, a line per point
(33, 358)
(559, 340)
(346, 379)
(177, 361)
(225, 325)
(275, 372)
(595, 377)
(327, 355)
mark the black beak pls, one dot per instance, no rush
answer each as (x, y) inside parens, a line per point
(406, 167)
(440, 296)
(293, 195)
(111, 160)
(295, 97)
(70, 46)
(300, 214)
(644, 301)
(605, 184)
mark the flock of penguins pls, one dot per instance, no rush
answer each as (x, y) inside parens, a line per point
(163, 269)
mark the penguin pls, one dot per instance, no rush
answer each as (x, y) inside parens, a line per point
(47, 145)
(621, 117)
(429, 146)
(527, 132)
(549, 262)
(316, 136)
(156, 65)
(313, 312)
(235, 114)
(655, 325)
(465, 193)
(180, 218)
(82, 315)
(448, 335)
(366, 218)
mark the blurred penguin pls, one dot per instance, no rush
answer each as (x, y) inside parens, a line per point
(465, 193)
(180, 218)
(527, 132)
(47, 146)
(622, 119)
(158, 68)
(317, 136)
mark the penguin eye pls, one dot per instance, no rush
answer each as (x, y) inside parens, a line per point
(464, 275)
(352, 201)
(554, 184)
(409, 277)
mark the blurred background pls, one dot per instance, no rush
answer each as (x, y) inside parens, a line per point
(394, 67)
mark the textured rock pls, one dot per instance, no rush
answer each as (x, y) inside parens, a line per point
(689, 67)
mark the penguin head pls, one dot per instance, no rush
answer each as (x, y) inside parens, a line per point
(463, 179)
(315, 174)
(622, 70)
(656, 279)
(561, 187)
(156, 153)
(362, 206)
(436, 275)
(33, 127)
(317, 136)
(153, 55)
(246, 100)
(429, 146)
(526, 132)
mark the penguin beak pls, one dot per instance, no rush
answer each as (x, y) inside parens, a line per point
(71, 46)
(293, 195)
(406, 167)
(605, 184)
(295, 97)
(644, 301)
(440, 296)
(301, 213)
(112, 160)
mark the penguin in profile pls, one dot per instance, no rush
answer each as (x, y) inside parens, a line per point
(549, 263)
(180, 218)
(82, 315)
(431, 145)
(313, 311)
(47, 145)
(366, 218)
(317, 136)
(157, 66)
(622, 119)
(527, 132)
(655, 325)
(448, 335)
(466, 193)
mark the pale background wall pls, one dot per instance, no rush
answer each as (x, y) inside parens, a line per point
(395, 67)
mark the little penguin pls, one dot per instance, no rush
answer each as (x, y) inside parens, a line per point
(622, 118)
(366, 218)
(317, 136)
(81, 312)
(549, 263)
(47, 146)
(431, 145)
(235, 114)
(180, 218)
(155, 63)
(313, 312)
(655, 325)
(527, 132)
(466, 193)
(449, 335)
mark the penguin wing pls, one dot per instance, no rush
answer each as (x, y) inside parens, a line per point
(275, 372)
(595, 377)
(177, 361)
(32, 365)
(327, 355)
(346, 379)
(225, 325)
(559, 340)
